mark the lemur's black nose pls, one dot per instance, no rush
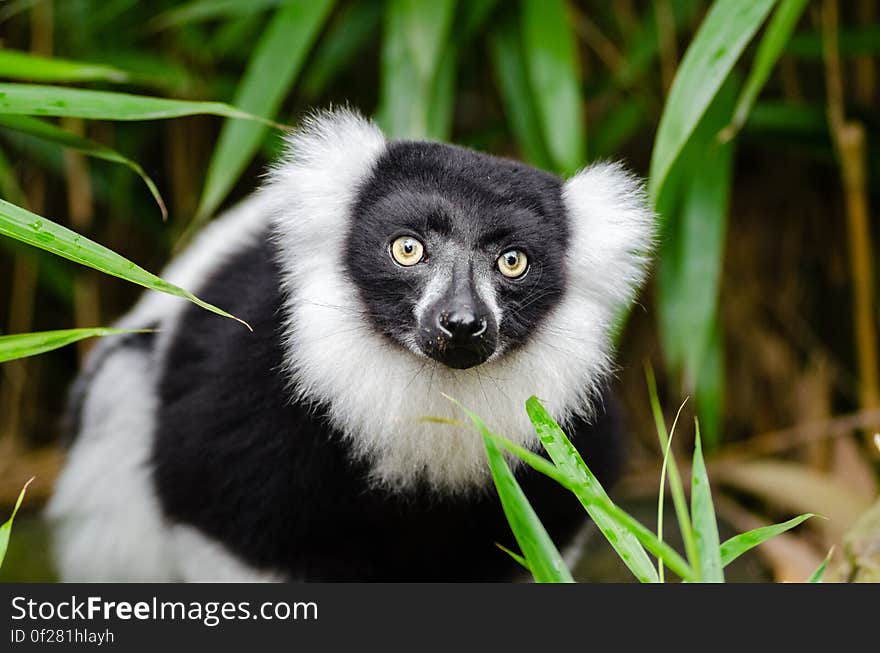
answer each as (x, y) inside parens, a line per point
(462, 323)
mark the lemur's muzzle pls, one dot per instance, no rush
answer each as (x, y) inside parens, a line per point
(459, 330)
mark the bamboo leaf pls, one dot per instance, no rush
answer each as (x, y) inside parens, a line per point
(203, 10)
(703, 516)
(414, 103)
(541, 555)
(271, 71)
(6, 528)
(695, 210)
(22, 345)
(517, 557)
(777, 34)
(27, 66)
(728, 27)
(38, 231)
(606, 515)
(816, 576)
(552, 62)
(40, 100)
(739, 544)
(54, 134)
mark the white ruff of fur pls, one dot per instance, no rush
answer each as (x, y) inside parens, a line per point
(376, 392)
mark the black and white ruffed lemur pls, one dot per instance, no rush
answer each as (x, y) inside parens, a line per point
(378, 276)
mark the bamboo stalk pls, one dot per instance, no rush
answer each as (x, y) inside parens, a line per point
(849, 142)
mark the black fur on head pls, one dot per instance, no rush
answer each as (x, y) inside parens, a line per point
(466, 209)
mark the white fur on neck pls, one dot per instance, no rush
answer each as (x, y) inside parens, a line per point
(376, 392)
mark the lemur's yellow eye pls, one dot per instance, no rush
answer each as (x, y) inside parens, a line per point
(407, 250)
(513, 263)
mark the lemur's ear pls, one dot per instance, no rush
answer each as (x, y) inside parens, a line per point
(613, 230)
(312, 187)
(339, 143)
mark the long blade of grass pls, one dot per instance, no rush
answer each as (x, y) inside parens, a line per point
(777, 34)
(414, 54)
(591, 493)
(661, 494)
(599, 506)
(519, 103)
(675, 484)
(728, 27)
(551, 57)
(541, 555)
(202, 10)
(271, 71)
(703, 515)
(816, 576)
(30, 228)
(53, 134)
(42, 100)
(22, 345)
(6, 528)
(26, 66)
(739, 544)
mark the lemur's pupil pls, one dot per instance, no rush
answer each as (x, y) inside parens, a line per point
(408, 248)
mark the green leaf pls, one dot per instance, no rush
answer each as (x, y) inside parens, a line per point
(38, 231)
(816, 576)
(413, 102)
(600, 507)
(24, 65)
(594, 498)
(739, 544)
(40, 100)
(519, 103)
(675, 485)
(551, 59)
(54, 134)
(723, 35)
(703, 516)
(22, 345)
(517, 557)
(777, 34)
(691, 261)
(202, 10)
(541, 555)
(347, 35)
(271, 71)
(6, 529)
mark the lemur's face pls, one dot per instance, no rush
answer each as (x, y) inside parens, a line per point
(458, 256)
